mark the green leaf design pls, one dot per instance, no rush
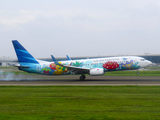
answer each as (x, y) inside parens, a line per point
(77, 64)
(46, 69)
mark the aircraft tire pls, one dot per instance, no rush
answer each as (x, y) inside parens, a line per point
(82, 77)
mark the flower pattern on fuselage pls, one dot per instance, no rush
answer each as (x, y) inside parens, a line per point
(111, 65)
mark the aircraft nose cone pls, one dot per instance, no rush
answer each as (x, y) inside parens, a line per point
(149, 62)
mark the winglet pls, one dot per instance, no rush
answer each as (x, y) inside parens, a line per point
(54, 60)
(68, 57)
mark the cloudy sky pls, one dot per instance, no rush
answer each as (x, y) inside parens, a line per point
(80, 28)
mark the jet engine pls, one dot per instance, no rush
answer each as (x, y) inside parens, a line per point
(96, 71)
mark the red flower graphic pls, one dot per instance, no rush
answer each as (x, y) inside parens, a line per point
(111, 65)
(53, 66)
(47, 72)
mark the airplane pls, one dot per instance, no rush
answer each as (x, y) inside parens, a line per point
(93, 67)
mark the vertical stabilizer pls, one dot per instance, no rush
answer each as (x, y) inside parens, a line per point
(22, 54)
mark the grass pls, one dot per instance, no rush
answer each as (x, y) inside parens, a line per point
(132, 73)
(153, 68)
(79, 102)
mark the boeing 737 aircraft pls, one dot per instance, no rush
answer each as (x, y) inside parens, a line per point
(92, 67)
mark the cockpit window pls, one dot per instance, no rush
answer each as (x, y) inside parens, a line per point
(142, 59)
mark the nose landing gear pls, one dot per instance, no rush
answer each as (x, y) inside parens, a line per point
(82, 77)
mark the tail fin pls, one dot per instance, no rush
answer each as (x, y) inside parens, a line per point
(22, 54)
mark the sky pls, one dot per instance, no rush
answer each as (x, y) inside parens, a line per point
(80, 28)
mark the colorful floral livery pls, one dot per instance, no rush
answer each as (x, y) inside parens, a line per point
(111, 65)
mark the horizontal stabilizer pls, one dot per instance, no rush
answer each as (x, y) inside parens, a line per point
(21, 66)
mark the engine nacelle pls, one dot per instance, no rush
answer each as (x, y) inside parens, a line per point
(96, 71)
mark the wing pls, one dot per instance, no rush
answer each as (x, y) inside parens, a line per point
(76, 70)
(73, 69)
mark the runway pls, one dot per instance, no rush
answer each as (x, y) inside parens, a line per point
(90, 81)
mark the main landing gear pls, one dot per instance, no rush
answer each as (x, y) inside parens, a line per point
(82, 77)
